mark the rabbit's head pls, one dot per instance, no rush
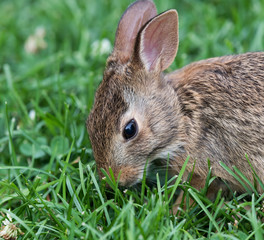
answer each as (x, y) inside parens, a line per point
(135, 117)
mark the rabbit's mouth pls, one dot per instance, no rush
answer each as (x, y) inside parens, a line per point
(158, 168)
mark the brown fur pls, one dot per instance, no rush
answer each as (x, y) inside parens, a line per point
(223, 100)
(209, 109)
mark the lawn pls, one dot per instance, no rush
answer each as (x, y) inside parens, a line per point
(52, 57)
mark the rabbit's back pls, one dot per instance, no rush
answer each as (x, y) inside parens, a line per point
(223, 99)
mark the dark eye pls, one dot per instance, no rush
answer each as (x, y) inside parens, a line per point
(130, 129)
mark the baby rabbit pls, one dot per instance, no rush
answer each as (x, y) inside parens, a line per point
(212, 109)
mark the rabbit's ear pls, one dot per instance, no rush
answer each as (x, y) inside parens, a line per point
(159, 41)
(133, 19)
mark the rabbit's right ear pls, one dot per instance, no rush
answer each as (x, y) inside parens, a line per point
(133, 19)
(159, 41)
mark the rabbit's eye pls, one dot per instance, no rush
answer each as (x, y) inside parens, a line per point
(130, 129)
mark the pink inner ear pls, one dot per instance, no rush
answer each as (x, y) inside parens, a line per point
(159, 41)
(152, 45)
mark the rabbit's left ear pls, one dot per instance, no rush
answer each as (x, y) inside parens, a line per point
(159, 41)
(133, 19)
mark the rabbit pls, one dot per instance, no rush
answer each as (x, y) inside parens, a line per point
(210, 109)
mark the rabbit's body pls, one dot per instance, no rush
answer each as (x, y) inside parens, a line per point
(222, 100)
(209, 109)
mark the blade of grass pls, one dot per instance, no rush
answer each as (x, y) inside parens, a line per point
(82, 177)
(112, 230)
(175, 186)
(235, 176)
(94, 231)
(197, 199)
(159, 188)
(245, 179)
(27, 169)
(99, 193)
(73, 194)
(255, 174)
(14, 93)
(11, 144)
(258, 230)
(12, 148)
(62, 177)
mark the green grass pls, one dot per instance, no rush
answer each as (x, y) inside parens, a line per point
(48, 178)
